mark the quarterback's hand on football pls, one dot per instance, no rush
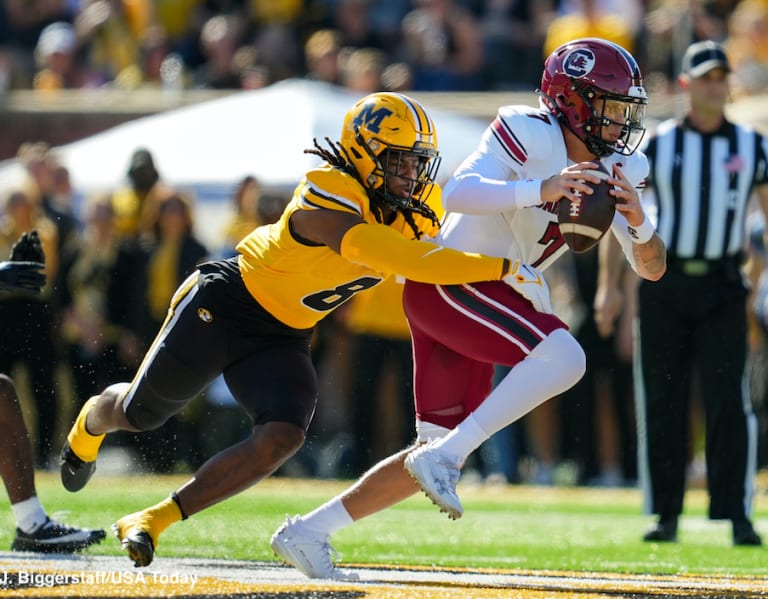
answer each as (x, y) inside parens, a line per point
(569, 183)
(21, 277)
(529, 283)
(627, 198)
(28, 248)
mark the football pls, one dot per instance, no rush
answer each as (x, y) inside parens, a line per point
(583, 223)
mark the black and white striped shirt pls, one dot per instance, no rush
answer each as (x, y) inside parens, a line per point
(702, 184)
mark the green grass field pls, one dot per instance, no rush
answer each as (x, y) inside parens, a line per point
(511, 527)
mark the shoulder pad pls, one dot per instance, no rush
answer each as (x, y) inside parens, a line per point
(331, 188)
(520, 133)
(634, 166)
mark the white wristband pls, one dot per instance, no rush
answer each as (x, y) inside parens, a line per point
(643, 233)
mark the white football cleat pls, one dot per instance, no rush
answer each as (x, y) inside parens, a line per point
(438, 473)
(309, 552)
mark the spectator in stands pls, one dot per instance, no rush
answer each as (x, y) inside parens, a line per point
(747, 46)
(110, 46)
(53, 182)
(513, 34)
(220, 39)
(100, 347)
(352, 18)
(246, 217)
(20, 28)
(279, 51)
(153, 50)
(590, 20)
(443, 44)
(136, 203)
(362, 70)
(58, 61)
(321, 56)
(670, 26)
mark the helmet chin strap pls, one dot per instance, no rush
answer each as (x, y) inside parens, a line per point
(598, 146)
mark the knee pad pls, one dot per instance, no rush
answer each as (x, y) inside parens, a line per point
(565, 353)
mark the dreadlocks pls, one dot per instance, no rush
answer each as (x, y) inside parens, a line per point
(336, 156)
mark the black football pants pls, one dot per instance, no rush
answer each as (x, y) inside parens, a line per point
(693, 325)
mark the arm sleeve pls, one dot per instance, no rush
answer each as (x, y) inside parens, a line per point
(386, 250)
(492, 179)
(472, 193)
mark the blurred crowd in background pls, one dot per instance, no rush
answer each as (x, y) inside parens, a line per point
(114, 263)
(429, 45)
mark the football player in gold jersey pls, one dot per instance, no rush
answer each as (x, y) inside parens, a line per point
(365, 214)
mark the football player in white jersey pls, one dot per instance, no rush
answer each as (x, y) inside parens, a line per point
(502, 200)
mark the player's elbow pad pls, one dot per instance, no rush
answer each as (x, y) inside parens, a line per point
(386, 250)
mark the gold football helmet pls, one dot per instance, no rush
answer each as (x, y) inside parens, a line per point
(379, 132)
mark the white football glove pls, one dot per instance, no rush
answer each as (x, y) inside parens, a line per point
(530, 283)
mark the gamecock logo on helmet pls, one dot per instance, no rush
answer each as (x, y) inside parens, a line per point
(579, 63)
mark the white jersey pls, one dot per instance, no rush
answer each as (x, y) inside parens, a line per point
(485, 214)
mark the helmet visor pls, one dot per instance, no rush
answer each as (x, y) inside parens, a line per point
(622, 122)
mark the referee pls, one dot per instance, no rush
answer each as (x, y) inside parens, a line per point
(692, 323)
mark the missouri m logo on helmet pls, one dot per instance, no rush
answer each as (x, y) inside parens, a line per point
(371, 117)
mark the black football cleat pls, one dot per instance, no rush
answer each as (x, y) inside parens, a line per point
(54, 537)
(665, 531)
(75, 473)
(744, 534)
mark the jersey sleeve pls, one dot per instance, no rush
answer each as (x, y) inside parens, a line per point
(517, 134)
(636, 169)
(331, 189)
(492, 178)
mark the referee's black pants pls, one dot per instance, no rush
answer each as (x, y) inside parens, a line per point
(688, 322)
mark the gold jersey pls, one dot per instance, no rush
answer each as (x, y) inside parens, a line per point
(299, 282)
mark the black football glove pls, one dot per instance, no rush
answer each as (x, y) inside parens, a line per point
(28, 248)
(18, 277)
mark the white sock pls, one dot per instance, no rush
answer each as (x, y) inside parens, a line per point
(328, 518)
(464, 439)
(554, 366)
(29, 514)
